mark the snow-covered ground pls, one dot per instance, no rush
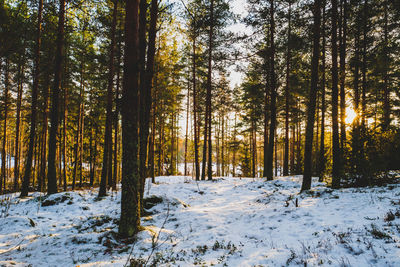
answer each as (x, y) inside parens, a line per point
(226, 222)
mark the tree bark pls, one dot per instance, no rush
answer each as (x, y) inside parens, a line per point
(336, 165)
(386, 90)
(270, 151)
(17, 126)
(130, 197)
(209, 89)
(106, 171)
(146, 89)
(51, 171)
(306, 184)
(343, 36)
(287, 98)
(143, 119)
(187, 130)
(364, 68)
(196, 135)
(321, 158)
(33, 117)
(5, 116)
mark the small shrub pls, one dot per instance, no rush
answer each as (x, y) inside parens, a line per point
(389, 216)
(378, 234)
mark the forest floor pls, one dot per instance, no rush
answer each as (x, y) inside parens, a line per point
(225, 222)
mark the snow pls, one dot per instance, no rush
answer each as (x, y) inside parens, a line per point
(225, 222)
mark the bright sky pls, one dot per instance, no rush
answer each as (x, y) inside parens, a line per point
(235, 78)
(239, 8)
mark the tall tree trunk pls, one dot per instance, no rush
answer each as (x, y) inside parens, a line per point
(17, 125)
(152, 144)
(5, 116)
(218, 165)
(306, 185)
(77, 147)
(107, 149)
(130, 198)
(172, 166)
(336, 165)
(364, 67)
(321, 158)
(187, 130)
(234, 149)
(196, 135)
(143, 139)
(43, 147)
(287, 97)
(145, 90)
(270, 151)
(81, 141)
(33, 117)
(254, 145)
(223, 145)
(266, 112)
(386, 91)
(64, 145)
(209, 88)
(51, 171)
(91, 157)
(116, 119)
(342, 48)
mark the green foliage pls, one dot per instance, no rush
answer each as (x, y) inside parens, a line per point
(245, 162)
(372, 156)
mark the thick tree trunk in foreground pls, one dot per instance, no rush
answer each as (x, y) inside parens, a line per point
(130, 197)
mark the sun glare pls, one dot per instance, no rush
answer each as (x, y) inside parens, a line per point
(350, 115)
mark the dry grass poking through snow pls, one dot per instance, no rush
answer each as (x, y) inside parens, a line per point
(226, 222)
